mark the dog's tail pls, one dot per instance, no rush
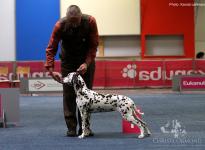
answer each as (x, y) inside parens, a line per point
(137, 110)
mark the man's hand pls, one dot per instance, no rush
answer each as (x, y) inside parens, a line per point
(55, 75)
(83, 68)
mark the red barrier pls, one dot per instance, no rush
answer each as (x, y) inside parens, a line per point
(5, 84)
(115, 76)
(175, 67)
(99, 79)
(123, 73)
(127, 127)
(1, 108)
(149, 73)
(30, 69)
(6, 70)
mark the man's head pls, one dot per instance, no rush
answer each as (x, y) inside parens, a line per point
(74, 15)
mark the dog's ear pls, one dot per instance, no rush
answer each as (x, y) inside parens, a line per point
(75, 78)
(77, 73)
(76, 81)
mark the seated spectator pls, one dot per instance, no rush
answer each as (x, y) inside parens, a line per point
(200, 55)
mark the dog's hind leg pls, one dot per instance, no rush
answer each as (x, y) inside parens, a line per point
(144, 124)
(131, 119)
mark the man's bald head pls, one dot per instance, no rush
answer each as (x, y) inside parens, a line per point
(73, 11)
(74, 15)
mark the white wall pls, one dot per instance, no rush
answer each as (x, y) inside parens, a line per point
(120, 46)
(114, 17)
(164, 45)
(7, 30)
(200, 46)
(114, 45)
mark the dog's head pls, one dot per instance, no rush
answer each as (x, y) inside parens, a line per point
(74, 79)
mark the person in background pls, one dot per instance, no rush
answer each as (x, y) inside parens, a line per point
(78, 36)
(200, 55)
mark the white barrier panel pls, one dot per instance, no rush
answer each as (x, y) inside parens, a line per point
(44, 85)
(10, 105)
(7, 24)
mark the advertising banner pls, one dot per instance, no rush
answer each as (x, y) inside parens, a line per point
(192, 82)
(1, 108)
(119, 74)
(44, 85)
(177, 67)
(150, 73)
(6, 70)
(99, 78)
(30, 69)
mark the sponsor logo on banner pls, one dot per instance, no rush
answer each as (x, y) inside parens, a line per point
(130, 71)
(35, 85)
(38, 85)
(193, 82)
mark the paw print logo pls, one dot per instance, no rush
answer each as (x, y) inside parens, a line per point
(129, 71)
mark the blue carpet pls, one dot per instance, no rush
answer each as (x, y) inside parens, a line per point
(42, 125)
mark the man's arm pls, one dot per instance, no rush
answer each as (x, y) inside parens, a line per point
(93, 44)
(51, 51)
(52, 47)
(93, 41)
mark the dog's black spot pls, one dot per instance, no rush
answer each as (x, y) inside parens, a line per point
(107, 102)
(125, 113)
(91, 101)
(114, 105)
(84, 94)
(101, 95)
(123, 99)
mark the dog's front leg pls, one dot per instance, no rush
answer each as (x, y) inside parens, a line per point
(84, 116)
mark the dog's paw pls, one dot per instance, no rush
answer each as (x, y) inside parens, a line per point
(141, 136)
(88, 133)
(81, 136)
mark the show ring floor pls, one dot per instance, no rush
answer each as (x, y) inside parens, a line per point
(176, 120)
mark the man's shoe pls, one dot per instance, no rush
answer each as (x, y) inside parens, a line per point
(80, 131)
(71, 133)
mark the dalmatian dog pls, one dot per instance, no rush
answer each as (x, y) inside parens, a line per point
(90, 101)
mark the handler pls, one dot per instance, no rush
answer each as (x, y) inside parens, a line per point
(78, 37)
